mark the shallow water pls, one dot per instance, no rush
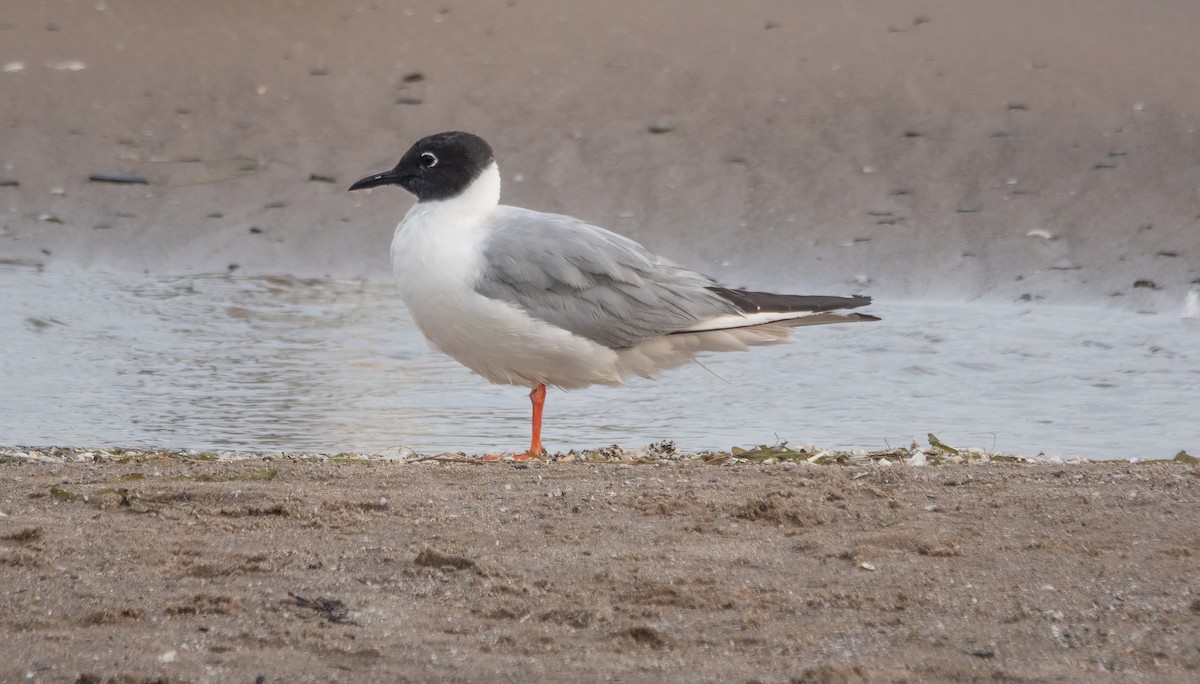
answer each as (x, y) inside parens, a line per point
(94, 359)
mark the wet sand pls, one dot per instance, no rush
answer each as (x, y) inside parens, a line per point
(168, 570)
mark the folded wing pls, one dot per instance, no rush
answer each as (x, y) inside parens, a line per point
(611, 290)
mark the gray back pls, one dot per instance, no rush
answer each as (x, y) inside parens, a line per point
(590, 281)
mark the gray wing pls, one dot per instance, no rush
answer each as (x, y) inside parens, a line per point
(590, 281)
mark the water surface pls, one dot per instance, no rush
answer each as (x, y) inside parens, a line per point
(94, 359)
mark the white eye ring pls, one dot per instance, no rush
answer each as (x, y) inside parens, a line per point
(429, 160)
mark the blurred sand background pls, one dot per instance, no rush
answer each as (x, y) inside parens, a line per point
(894, 147)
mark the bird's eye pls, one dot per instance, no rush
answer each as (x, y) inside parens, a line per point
(428, 160)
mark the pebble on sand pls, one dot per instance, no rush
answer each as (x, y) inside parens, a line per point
(120, 179)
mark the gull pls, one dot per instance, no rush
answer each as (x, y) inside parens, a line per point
(532, 299)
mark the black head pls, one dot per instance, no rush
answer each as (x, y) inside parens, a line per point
(437, 167)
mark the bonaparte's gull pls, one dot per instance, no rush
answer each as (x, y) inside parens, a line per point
(527, 298)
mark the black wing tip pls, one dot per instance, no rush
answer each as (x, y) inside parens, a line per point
(857, 301)
(769, 302)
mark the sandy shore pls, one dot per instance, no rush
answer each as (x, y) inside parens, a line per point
(310, 570)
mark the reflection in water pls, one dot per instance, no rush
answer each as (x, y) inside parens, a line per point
(96, 359)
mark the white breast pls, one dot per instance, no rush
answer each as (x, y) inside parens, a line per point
(437, 257)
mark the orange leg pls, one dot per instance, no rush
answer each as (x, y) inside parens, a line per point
(537, 396)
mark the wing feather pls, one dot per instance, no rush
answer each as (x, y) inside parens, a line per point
(590, 281)
(611, 290)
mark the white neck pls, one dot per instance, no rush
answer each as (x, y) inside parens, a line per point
(444, 235)
(480, 196)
